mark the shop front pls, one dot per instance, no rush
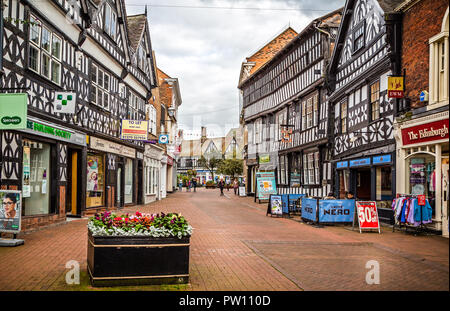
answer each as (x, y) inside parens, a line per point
(163, 177)
(252, 166)
(110, 169)
(170, 175)
(152, 164)
(48, 173)
(423, 163)
(370, 178)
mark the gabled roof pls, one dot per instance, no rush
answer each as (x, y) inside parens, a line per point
(264, 54)
(388, 6)
(136, 26)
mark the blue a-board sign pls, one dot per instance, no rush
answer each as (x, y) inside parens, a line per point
(309, 209)
(292, 198)
(336, 210)
(285, 202)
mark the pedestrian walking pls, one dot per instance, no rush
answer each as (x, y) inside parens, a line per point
(236, 186)
(228, 185)
(188, 185)
(194, 183)
(180, 185)
(221, 185)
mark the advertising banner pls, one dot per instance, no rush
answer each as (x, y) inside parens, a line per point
(309, 209)
(285, 203)
(242, 192)
(92, 174)
(13, 111)
(367, 215)
(11, 211)
(292, 199)
(26, 191)
(266, 184)
(336, 210)
(134, 130)
(276, 205)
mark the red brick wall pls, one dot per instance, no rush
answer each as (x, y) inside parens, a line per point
(421, 22)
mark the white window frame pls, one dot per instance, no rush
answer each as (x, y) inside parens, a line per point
(110, 22)
(101, 92)
(53, 60)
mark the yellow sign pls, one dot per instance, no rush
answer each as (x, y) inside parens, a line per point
(134, 130)
(395, 83)
(395, 87)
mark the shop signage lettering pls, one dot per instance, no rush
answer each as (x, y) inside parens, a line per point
(336, 210)
(13, 111)
(367, 215)
(48, 130)
(342, 164)
(382, 159)
(108, 146)
(426, 132)
(11, 120)
(360, 162)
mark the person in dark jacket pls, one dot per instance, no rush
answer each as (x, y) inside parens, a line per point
(194, 183)
(221, 185)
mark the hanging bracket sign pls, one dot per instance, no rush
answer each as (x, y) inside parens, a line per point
(368, 215)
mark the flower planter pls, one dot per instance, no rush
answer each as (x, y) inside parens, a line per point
(137, 260)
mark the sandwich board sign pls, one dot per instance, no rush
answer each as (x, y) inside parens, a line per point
(367, 215)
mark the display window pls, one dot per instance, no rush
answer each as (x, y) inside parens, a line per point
(384, 183)
(95, 194)
(36, 178)
(128, 181)
(421, 176)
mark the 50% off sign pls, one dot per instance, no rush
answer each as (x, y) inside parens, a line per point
(367, 215)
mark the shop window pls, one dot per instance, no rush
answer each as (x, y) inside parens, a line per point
(344, 183)
(36, 178)
(128, 181)
(384, 183)
(95, 181)
(421, 177)
(45, 49)
(375, 100)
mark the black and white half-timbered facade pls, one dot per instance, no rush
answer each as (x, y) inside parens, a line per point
(367, 52)
(77, 161)
(286, 111)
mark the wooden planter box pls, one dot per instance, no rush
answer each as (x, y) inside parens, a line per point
(116, 260)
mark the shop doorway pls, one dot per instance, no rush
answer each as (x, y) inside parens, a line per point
(363, 184)
(119, 197)
(74, 180)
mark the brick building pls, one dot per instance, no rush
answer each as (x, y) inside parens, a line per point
(422, 122)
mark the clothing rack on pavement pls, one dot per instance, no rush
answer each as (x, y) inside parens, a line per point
(421, 227)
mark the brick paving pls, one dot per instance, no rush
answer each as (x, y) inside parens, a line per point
(235, 246)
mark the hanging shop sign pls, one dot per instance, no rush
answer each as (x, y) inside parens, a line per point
(360, 162)
(11, 211)
(266, 184)
(286, 135)
(13, 111)
(395, 87)
(276, 205)
(169, 160)
(65, 102)
(53, 131)
(264, 159)
(134, 130)
(295, 179)
(437, 130)
(367, 215)
(163, 139)
(309, 209)
(331, 211)
(111, 147)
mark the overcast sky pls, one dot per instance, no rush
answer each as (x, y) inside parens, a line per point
(204, 48)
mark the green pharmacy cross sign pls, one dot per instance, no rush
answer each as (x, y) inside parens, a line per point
(65, 102)
(13, 111)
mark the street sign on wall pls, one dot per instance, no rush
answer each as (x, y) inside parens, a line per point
(13, 111)
(163, 139)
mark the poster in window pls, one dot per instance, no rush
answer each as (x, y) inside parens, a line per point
(92, 174)
(26, 190)
(11, 211)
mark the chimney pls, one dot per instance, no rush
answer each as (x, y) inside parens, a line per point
(203, 139)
